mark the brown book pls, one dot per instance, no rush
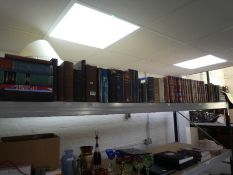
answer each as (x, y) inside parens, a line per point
(127, 86)
(156, 90)
(91, 83)
(68, 73)
(166, 90)
(65, 81)
(60, 82)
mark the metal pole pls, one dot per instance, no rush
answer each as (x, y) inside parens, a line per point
(229, 129)
(175, 127)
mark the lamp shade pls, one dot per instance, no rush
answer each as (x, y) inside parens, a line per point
(40, 49)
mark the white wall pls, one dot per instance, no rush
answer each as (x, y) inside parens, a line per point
(228, 77)
(114, 130)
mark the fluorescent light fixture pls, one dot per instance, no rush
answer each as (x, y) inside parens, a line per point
(200, 62)
(90, 27)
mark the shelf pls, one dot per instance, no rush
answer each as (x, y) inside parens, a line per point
(46, 109)
(204, 166)
(209, 125)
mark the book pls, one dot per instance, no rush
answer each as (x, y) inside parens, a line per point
(91, 83)
(127, 87)
(104, 85)
(80, 79)
(144, 91)
(161, 90)
(68, 85)
(77, 85)
(150, 90)
(60, 83)
(198, 154)
(174, 160)
(116, 86)
(55, 78)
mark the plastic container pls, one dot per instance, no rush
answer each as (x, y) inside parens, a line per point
(67, 162)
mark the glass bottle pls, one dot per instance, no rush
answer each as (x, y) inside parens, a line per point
(97, 154)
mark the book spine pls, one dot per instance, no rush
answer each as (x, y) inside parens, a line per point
(127, 88)
(54, 77)
(161, 90)
(171, 89)
(156, 90)
(119, 86)
(112, 86)
(68, 79)
(91, 84)
(179, 90)
(150, 89)
(105, 86)
(6, 64)
(60, 90)
(166, 90)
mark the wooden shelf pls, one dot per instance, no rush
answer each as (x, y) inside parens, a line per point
(46, 109)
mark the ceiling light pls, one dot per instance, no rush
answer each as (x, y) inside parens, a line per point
(90, 27)
(200, 62)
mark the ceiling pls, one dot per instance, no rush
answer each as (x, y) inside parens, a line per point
(171, 31)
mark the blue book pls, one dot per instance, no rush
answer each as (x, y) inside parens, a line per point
(104, 85)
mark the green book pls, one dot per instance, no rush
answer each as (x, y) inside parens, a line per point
(20, 78)
(41, 80)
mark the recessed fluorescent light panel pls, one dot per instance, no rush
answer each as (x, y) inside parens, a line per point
(200, 62)
(90, 27)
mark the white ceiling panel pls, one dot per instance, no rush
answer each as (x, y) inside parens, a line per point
(31, 15)
(226, 54)
(70, 51)
(137, 11)
(111, 60)
(172, 31)
(217, 42)
(181, 52)
(143, 44)
(198, 19)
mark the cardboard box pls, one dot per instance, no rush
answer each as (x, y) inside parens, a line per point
(41, 150)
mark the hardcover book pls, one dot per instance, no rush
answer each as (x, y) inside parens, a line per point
(174, 160)
(91, 83)
(80, 81)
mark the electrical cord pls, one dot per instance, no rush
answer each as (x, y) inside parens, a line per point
(7, 162)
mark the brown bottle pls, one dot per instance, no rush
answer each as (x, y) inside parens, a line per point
(97, 154)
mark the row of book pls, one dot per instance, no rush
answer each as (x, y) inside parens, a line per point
(179, 90)
(27, 79)
(87, 83)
